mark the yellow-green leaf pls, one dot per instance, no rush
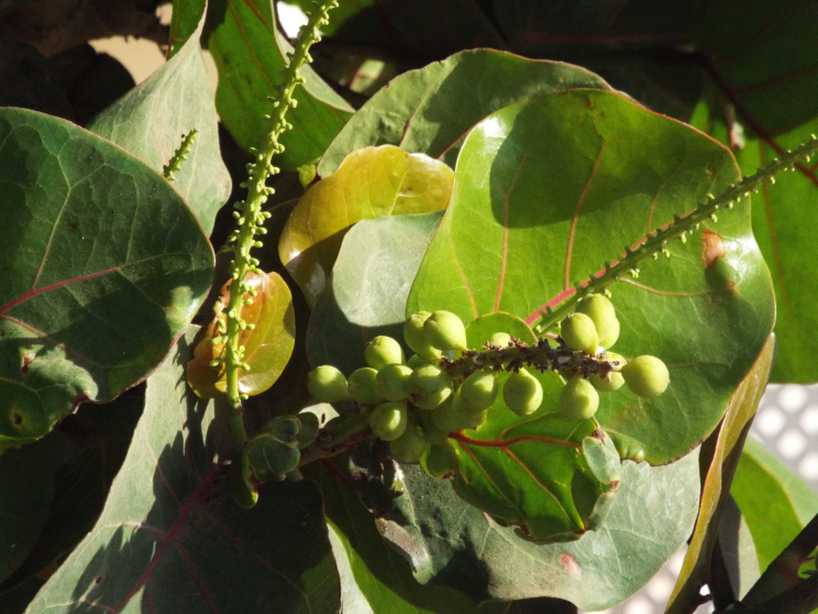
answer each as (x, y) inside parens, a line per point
(371, 182)
(268, 346)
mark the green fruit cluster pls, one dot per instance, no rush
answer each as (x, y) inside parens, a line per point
(593, 329)
(415, 403)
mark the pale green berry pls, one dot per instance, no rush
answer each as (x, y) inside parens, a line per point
(327, 384)
(500, 340)
(416, 360)
(647, 376)
(479, 390)
(523, 393)
(433, 432)
(409, 447)
(617, 360)
(610, 383)
(579, 333)
(393, 382)
(579, 399)
(415, 337)
(388, 420)
(362, 386)
(454, 416)
(439, 461)
(601, 311)
(382, 351)
(444, 330)
(430, 386)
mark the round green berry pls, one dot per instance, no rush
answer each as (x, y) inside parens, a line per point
(647, 376)
(523, 393)
(327, 384)
(500, 340)
(362, 386)
(444, 330)
(601, 311)
(617, 360)
(439, 461)
(393, 382)
(430, 387)
(409, 447)
(382, 351)
(479, 390)
(612, 382)
(431, 431)
(579, 333)
(388, 420)
(579, 399)
(415, 337)
(416, 360)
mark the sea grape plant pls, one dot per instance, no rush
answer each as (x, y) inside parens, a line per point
(487, 337)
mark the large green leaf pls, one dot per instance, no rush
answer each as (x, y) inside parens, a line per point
(152, 118)
(171, 540)
(774, 501)
(722, 451)
(459, 546)
(371, 279)
(250, 55)
(103, 267)
(371, 182)
(548, 190)
(763, 74)
(431, 109)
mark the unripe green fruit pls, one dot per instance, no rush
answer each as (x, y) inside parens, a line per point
(431, 431)
(362, 386)
(409, 447)
(523, 393)
(479, 390)
(431, 400)
(415, 337)
(444, 330)
(439, 461)
(617, 360)
(579, 399)
(429, 378)
(327, 384)
(416, 360)
(602, 312)
(647, 376)
(500, 340)
(382, 351)
(393, 382)
(388, 420)
(610, 383)
(579, 333)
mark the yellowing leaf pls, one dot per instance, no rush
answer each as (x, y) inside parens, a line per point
(268, 346)
(371, 182)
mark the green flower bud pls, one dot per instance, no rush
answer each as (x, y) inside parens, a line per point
(382, 351)
(388, 420)
(500, 340)
(602, 312)
(579, 399)
(415, 337)
(445, 330)
(647, 376)
(579, 333)
(439, 461)
(392, 382)
(409, 447)
(362, 386)
(326, 383)
(523, 393)
(479, 390)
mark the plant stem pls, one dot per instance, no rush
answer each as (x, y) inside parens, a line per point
(680, 227)
(250, 217)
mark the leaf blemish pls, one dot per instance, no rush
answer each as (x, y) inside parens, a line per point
(569, 564)
(712, 248)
